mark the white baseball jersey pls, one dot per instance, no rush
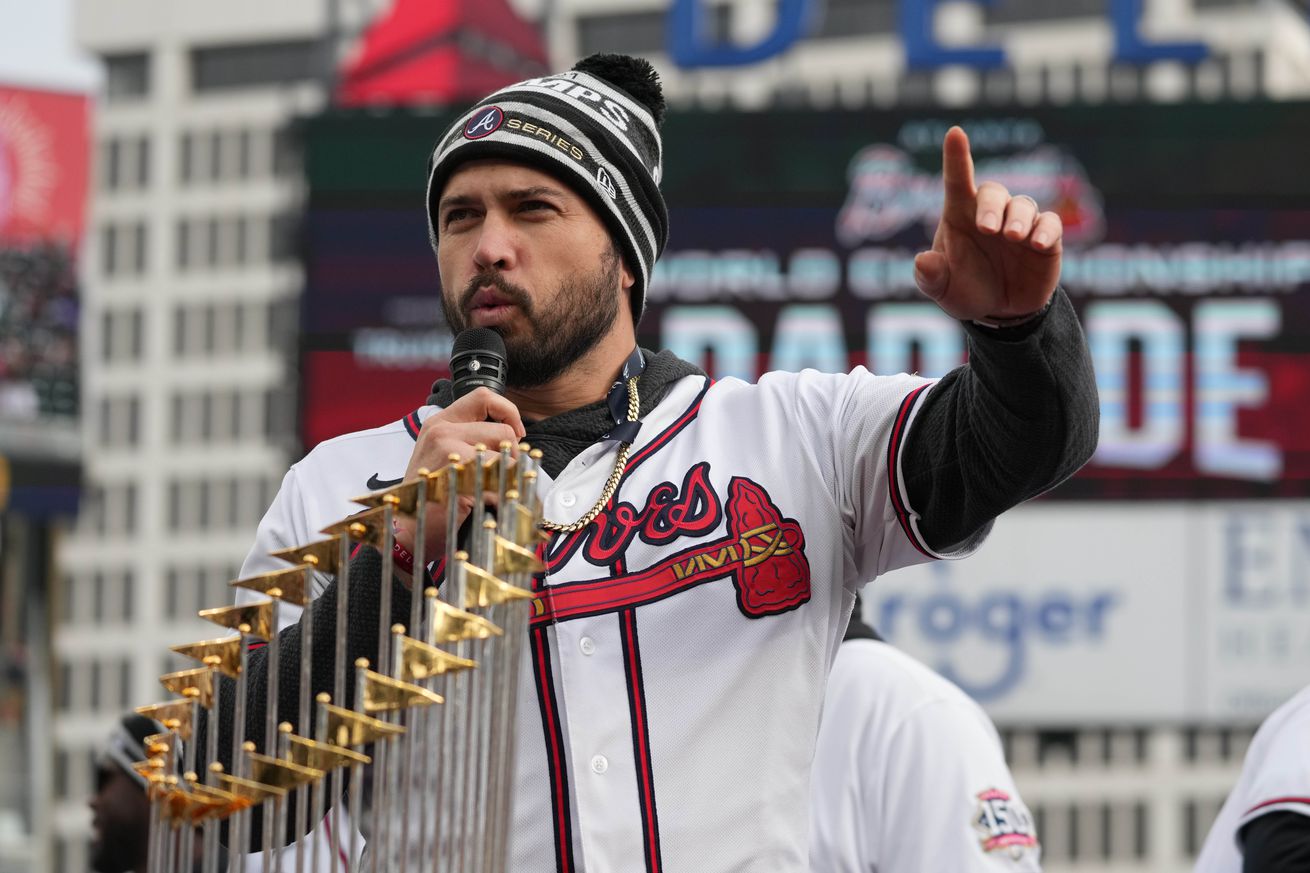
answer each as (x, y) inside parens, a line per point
(909, 775)
(1275, 778)
(674, 675)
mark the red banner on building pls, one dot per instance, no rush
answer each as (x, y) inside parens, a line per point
(44, 157)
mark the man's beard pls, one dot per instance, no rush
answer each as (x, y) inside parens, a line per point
(581, 314)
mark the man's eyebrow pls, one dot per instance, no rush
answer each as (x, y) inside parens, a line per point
(455, 200)
(534, 191)
(515, 194)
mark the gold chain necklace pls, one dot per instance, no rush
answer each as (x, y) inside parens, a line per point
(620, 463)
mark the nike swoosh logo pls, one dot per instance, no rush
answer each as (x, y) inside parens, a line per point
(374, 483)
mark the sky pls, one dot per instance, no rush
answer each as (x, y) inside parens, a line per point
(36, 47)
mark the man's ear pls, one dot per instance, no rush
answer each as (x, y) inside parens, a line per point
(626, 279)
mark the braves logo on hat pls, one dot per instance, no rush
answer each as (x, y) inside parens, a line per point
(484, 123)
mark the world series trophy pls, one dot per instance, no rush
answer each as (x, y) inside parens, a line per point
(435, 703)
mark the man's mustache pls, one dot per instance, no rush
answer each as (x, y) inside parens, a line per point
(513, 293)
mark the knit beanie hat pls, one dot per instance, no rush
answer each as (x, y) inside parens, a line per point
(596, 129)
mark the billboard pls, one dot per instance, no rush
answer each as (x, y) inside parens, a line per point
(1116, 612)
(44, 149)
(1188, 260)
(44, 166)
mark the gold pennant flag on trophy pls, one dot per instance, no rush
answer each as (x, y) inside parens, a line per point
(364, 527)
(491, 472)
(483, 589)
(199, 678)
(278, 773)
(246, 789)
(292, 584)
(521, 527)
(189, 807)
(405, 496)
(322, 756)
(513, 558)
(227, 802)
(172, 714)
(420, 661)
(439, 482)
(157, 789)
(349, 728)
(323, 555)
(258, 616)
(149, 768)
(450, 624)
(384, 694)
(226, 650)
(160, 744)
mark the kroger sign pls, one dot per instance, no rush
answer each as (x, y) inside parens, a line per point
(689, 25)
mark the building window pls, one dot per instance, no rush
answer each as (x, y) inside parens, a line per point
(186, 158)
(282, 229)
(123, 249)
(127, 77)
(109, 249)
(283, 323)
(109, 509)
(143, 162)
(122, 335)
(286, 152)
(120, 421)
(110, 156)
(124, 684)
(125, 163)
(139, 248)
(253, 65)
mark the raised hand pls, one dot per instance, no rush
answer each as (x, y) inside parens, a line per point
(995, 257)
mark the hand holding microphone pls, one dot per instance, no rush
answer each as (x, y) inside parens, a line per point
(479, 414)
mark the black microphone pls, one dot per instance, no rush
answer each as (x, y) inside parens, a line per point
(478, 360)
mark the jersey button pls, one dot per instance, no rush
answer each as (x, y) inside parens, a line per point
(567, 499)
(599, 764)
(588, 645)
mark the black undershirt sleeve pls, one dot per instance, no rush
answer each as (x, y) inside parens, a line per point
(1015, 421)
(1278, 842)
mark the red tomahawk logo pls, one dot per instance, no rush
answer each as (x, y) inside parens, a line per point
(763, 552)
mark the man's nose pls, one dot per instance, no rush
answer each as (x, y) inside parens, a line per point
(497, 240)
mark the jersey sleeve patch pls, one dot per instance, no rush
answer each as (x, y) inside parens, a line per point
(1003, 823)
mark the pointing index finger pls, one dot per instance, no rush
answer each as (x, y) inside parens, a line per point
(957, 175)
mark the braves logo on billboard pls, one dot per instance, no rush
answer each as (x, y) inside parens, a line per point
(888, 193)
(761, 551)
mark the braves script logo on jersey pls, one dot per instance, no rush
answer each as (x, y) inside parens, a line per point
(762, 552)
(1003, 822)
